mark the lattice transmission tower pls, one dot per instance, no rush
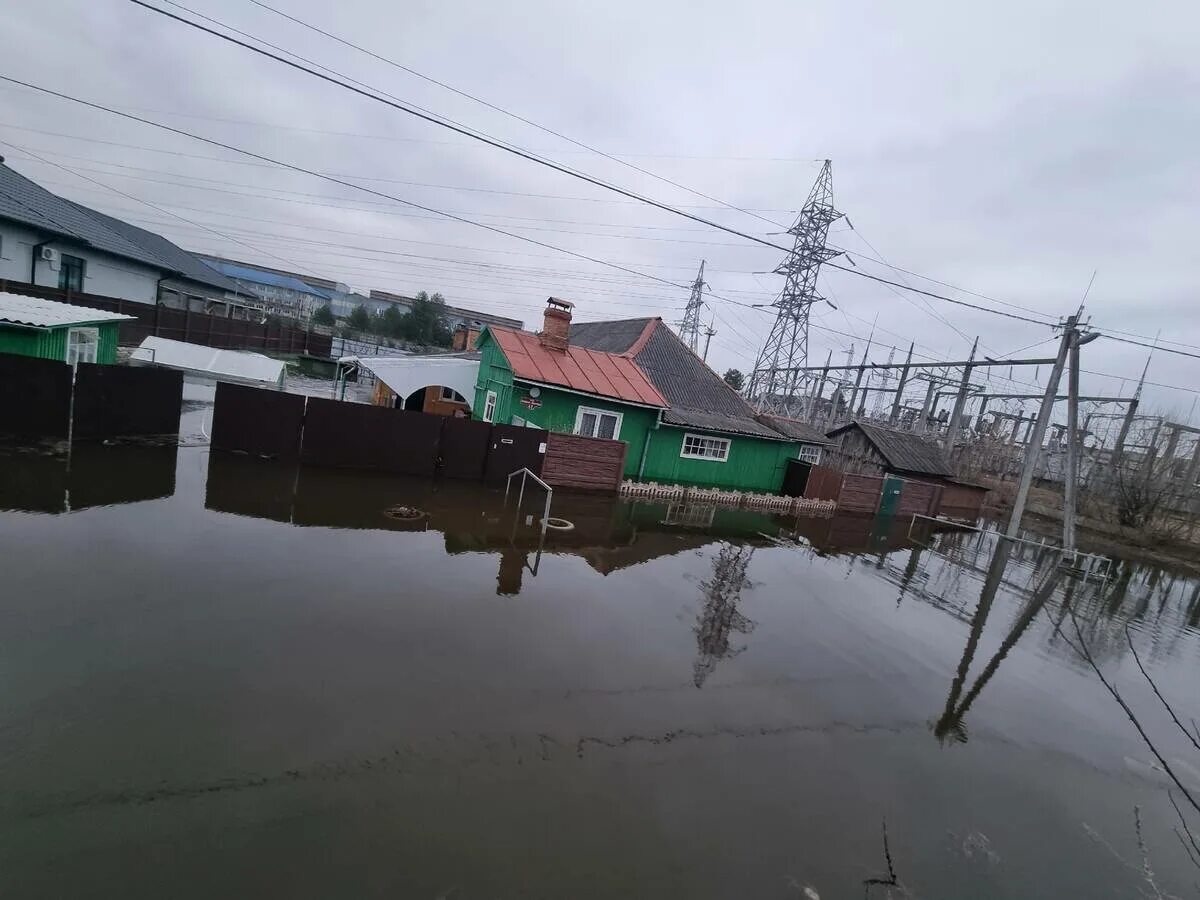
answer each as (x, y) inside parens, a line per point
(776, 386)
(689, 326)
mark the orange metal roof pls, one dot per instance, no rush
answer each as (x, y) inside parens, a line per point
(591, 371)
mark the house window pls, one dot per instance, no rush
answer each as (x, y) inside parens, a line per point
(597, 423)
(489, 407)
(83, 345)
(451, 395)
(810, 454)
(70, 273)
(698, 446)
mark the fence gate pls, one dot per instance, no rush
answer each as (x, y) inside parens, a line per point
(464, 448)
(514, 447)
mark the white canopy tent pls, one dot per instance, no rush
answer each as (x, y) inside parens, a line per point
(404, 375)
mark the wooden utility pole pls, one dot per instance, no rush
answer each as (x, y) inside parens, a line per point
(1039, 430)
(708, 333)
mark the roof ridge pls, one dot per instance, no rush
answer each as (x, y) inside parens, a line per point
(642, 339)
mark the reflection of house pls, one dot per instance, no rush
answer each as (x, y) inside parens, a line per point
(636, 382)
(59, 331)
(51, 242)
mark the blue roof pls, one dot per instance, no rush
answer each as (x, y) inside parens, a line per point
(245, 273)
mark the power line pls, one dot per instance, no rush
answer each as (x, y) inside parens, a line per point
(525, 154)
(496, 108)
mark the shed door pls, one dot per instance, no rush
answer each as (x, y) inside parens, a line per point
(890, 501)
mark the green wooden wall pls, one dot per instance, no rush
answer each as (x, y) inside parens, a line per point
(495, 374)
(754, 464)
(51, 343)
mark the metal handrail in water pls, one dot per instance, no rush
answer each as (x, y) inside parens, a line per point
(526, 474)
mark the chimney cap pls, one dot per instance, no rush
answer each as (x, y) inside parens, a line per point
(560, 304)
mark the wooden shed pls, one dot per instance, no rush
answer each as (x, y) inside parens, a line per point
(864, 449)
(30, 326)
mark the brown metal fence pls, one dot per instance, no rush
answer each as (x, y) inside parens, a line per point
(122, 401)
(185, 325)
(35, 397)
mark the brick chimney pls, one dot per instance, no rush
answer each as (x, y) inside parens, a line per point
(556, 325)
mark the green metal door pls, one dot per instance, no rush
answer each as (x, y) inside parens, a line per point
(890, 500)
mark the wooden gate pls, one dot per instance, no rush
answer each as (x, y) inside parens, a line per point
(584, 463)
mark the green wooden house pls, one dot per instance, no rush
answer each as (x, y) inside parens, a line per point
(30, 326)
(634, 380)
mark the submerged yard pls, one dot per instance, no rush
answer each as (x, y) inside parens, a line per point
(230, 678)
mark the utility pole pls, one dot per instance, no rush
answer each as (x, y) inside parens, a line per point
(1039, 429)
(708, 336)
(773, 382)
(858, 378)
(961, 400)
(1123, 435)
(689, 326)
(900, 387)
(815, 406)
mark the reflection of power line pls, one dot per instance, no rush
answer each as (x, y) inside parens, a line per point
(720, 617)
(950, 726)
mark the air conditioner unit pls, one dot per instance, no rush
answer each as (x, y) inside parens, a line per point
(49, 254)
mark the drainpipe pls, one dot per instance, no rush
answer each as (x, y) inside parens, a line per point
(646, 446)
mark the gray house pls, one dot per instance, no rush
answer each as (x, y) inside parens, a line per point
(49, 241)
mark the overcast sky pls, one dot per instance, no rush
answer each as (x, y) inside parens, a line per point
(1010, 151)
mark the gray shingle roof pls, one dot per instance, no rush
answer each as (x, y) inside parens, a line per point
(694, 418)
(699, 397)
(903, 450)
(176, 258)
(793, 428)
(27, 202)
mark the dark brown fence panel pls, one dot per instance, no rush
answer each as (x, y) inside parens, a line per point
(962, 501)
(356, 436)
(860, 493)
(464, 447)
(35, 397)
(512, 448)
(124, 401)
(584, 463)
(917, 498)
(824, 483)
(257, 421)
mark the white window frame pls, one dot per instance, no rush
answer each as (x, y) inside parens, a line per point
(489, 407)
(74, 356)
(810, 453)
(455, 396)
(598, 413)
(683, 451)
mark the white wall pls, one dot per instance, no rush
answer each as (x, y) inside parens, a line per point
(104, 274)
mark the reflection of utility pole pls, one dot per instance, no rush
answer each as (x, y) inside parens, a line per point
(708, 336)
(950, 724)
(720, 616)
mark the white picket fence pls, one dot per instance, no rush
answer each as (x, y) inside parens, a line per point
(801, 506)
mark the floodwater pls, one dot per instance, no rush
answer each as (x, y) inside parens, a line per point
(227, 677)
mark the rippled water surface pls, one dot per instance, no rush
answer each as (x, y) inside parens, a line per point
(227, 677)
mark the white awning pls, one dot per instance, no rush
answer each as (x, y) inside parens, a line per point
(237, 366)
(405, 374)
